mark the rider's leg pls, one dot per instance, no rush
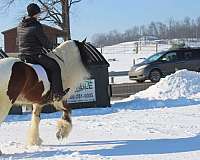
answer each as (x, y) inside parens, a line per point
(52, 66)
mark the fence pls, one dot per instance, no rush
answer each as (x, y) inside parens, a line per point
(112, 75)
(134, 48)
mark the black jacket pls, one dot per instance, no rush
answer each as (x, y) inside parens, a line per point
(31, 37)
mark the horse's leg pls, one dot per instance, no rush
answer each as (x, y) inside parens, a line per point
(5, 106)
(64, 125)
(33, 135)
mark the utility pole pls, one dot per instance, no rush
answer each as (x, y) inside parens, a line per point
(66, 21)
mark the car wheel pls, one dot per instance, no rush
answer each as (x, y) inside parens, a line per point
(155, 75)
(139, 81)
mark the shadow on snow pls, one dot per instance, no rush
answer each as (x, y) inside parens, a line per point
(119, 148)
(37, 154)
(139, 147)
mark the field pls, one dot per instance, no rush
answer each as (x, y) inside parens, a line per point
(160, 123)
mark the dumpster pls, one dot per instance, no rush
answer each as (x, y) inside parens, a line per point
(96, 91)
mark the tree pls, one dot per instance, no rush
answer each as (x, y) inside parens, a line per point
(171, 28)
(162, 30)
(55, 11)
(131, 34)
(152, 29)
(99, 40)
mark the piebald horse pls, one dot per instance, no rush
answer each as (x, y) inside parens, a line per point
(21, 83)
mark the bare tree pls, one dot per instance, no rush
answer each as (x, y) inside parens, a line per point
(55, 11)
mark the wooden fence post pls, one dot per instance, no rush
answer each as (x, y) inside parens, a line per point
(112, 79)
(156, 47)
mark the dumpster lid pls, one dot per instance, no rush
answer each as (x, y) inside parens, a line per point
(97, 57)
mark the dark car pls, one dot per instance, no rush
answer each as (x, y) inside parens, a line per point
(164, 63)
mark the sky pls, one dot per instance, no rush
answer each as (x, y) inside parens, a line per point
(101, 16)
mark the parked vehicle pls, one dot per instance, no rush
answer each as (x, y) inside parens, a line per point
(164, 63)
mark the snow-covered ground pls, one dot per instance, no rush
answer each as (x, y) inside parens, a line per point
(161, 123)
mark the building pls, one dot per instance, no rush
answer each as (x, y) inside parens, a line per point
(10, 38)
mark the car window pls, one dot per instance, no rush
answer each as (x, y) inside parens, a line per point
(172, 56)
(154, 57)
(196, 54)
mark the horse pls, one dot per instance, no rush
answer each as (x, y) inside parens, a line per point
(21, 83)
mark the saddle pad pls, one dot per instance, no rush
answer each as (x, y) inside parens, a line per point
(42, 75)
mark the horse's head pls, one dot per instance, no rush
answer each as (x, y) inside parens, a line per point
(74, 60)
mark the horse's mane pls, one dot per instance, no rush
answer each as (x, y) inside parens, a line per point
(67, 55)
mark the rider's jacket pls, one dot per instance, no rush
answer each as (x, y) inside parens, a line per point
(31, 37)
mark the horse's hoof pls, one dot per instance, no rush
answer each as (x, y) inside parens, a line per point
(35, 141)
(0, 153)
(64, 128)
(59, 135)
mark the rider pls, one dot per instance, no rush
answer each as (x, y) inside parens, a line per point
(31, 41)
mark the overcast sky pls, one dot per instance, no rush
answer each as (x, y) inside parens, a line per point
(101, 16)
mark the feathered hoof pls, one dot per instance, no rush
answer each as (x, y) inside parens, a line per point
(34, 141)
(64, 127)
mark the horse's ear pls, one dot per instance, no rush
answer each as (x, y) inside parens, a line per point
(84, 40)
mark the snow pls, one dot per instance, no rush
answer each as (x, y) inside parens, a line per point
(182, 84)
(160, 123)
(148, 125)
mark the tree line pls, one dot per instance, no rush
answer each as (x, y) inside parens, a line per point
(173, 29)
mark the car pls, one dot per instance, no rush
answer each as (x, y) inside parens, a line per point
(164, 63)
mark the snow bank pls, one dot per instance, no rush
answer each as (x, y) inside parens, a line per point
(182, 84)
(179, 89)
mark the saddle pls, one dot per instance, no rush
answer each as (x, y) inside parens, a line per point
(41, 71)
(43, 76)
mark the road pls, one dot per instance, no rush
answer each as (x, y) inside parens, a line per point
(127, 89)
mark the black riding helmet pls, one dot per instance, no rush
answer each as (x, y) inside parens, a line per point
(33, 9)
